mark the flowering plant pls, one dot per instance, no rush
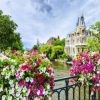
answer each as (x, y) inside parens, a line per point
(24, 75)
(87, 66)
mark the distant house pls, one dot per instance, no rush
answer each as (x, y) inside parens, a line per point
(75, 42)
(51, 41)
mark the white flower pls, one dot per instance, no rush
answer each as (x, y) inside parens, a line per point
(2, 73)
(44, 69)
(24, 89)
(10, 98)
(48, 87)
(17, 94)
(12, 85)
(16, 86)
(3, 97)
(98, 84)
(38, 92)
(17, 98)
(11, 91)
(31, 80)
(47, 74)
(44, 92)
(19, 89)
(93, 53)
(21, 74)
(23, 98)
(4, 68)
(8, 75)
(27, 79)
(11, 82)
(12, 60)
(12, 68)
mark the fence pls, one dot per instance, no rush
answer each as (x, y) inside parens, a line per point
(82, 92)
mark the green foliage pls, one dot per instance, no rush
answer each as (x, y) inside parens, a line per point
(93, 44)
(52, 52)
(57, 52)
(46, 49)
(68, 57)
(8, 36)
(59, 42)
(35, 47)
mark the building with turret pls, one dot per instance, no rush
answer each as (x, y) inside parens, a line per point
(75, 42)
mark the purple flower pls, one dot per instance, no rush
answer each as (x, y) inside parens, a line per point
(17, 75)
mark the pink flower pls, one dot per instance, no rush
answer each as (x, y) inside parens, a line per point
(39, 60)
(50, 71)
(21, 83)
(34, 82)
(35, 64)
(26, 67)
(41, 90)
(30, 87)
(27, 84)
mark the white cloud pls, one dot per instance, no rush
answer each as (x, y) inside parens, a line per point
(42, 19)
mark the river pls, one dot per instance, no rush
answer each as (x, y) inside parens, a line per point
(60, 70)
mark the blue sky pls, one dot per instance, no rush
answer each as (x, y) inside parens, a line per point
(42, 19)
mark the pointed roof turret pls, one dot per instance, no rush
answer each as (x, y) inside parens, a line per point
(81, 22)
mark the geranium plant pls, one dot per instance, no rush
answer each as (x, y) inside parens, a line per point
(25, 75)
(87, 66)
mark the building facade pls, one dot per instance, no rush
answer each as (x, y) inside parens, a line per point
(75, 42)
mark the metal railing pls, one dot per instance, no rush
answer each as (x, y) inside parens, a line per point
(83, 92)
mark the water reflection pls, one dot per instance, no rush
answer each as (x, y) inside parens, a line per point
(61, 69)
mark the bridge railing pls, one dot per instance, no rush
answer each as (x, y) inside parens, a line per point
(81, 93)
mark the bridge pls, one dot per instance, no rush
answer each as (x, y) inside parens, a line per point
(75, 91)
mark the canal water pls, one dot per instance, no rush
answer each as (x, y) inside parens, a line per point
(61, 70)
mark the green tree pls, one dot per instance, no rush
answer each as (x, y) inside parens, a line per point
(46, 49)
(93, 43)
(35, 47)
(57, 52)
(59, 42)
(9, 38)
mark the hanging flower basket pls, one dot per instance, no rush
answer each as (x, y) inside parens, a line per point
(87, 66)
(25, 75)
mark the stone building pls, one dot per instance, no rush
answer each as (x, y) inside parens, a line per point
(75, 42)
(51, 41)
